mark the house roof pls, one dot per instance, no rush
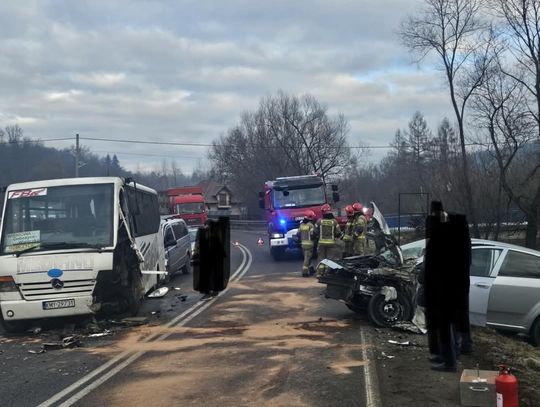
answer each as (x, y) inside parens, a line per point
(212, 188)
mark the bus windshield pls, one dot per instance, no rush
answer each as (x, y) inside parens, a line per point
(64, 216)
(299, 197)
(190, 207)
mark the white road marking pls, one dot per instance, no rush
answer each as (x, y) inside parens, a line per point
(370, 380)
(177, 321)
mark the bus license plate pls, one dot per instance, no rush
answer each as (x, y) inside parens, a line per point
(58, 304)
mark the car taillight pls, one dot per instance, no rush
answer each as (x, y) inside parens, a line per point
(7, 284)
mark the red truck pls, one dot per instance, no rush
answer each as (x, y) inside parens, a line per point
(186, 203)
(285, 201)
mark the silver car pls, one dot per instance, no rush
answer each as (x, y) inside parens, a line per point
(177, 244)
(505, 286)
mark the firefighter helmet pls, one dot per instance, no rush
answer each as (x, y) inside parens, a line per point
(326, 209)
(349, 210)
(309, 214)
(357, 207)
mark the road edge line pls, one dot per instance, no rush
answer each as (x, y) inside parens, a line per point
(371, 381)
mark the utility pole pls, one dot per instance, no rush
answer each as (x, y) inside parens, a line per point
(77, 155)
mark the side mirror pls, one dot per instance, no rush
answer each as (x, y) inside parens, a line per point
(261, 195)
(261, 203)
(334, 188)
(335, 196)
(211, 258)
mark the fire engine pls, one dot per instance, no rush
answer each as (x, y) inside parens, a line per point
(285, 200)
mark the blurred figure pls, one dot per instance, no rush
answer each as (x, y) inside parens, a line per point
(446, 284)
(306, 234)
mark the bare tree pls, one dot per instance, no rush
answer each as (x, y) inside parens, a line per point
(14, 134)
(501, 109)
(453, 30)
(286, 135)
(522, 33)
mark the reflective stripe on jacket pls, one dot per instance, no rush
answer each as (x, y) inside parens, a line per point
(306, 234)
(360, 228)
(327, 231)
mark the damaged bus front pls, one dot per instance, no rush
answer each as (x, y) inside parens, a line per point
(77, 246)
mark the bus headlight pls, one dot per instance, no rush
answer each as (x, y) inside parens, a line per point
(7, 284)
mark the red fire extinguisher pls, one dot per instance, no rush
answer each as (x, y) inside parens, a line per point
(506, 387)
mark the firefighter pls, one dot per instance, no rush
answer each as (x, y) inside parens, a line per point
(327, 232)
(306, 235)
(359, 230)
(348, 232)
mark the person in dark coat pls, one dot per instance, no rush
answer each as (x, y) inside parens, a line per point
(446, 289)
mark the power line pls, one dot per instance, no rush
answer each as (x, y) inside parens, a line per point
(26, 140)
(181, 144)
(171, 143)
(164, 143)
(146, 154)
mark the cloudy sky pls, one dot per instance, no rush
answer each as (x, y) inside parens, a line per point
(184, 70)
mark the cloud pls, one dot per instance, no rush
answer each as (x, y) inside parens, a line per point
(184, 71)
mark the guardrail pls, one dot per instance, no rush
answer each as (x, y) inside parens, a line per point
(248, 224)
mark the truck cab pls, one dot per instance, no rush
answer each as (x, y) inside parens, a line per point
(285, 201)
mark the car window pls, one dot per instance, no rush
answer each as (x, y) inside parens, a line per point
(518, 264)
(483, 261)
(179, 230)
(168, 234)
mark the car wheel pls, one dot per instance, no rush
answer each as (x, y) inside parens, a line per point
(387, 313)
(535, 333)
(187, 267)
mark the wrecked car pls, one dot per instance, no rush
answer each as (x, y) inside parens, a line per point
(384, 283)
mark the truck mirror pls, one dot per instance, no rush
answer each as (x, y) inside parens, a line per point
(261, 203)
(261, 195)
(211, 257)
(335, 196)
(334, 188)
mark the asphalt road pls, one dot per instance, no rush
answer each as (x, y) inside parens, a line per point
(270, 339)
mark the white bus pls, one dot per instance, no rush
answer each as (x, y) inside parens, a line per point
(77, 246)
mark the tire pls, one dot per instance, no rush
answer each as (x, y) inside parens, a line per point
(387, 313)
(535, 333)
(187, 267)
(278, 253)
